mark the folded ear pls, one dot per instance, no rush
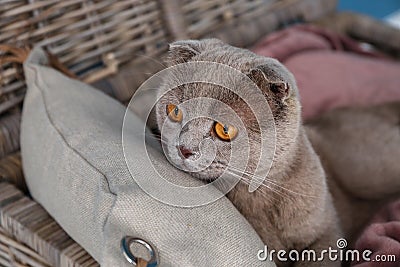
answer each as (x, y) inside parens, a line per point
(183, 51)
(270, 83)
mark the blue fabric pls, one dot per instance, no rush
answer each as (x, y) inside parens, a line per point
(378, 9)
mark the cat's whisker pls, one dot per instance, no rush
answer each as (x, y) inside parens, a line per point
(266, 195)
(248, 175)
(286, 189)
(276, 191)
(266, 179)
(247, 182)
(152, 59)
(221, 184)
(148, 89)
(157, 139)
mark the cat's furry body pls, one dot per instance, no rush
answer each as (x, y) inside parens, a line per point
(301, 218)
(294, 208)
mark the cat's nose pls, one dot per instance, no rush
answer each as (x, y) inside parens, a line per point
(185, 152)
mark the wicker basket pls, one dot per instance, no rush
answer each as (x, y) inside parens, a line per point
(93, 38)
(98, 39)
(46, 244)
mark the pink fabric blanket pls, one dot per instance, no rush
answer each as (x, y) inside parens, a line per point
(331, 70)
(382, 237)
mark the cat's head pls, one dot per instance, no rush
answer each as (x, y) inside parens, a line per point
(274, 81)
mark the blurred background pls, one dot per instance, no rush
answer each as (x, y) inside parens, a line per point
(386, 9)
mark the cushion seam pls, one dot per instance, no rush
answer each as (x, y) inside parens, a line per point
(59, 131)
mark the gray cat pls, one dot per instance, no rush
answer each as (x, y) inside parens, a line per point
(294, 210)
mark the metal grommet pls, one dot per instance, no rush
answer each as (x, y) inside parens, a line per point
(127, 241)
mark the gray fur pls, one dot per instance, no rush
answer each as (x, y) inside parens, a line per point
(293, 209)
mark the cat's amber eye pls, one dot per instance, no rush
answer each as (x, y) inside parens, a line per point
(225, 132)
(174, 113)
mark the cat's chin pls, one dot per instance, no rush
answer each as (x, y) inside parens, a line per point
(206, 176)
(209, 174)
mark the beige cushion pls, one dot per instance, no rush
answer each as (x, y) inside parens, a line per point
(74, 166)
